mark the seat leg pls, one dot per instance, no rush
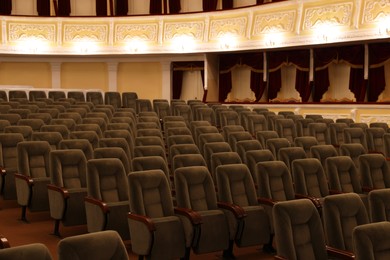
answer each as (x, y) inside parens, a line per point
(187, 254)
(268, 248)
(56, 231)
(23, 216)
(140, 257)
(228, 253)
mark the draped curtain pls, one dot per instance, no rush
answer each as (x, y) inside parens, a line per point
(155, 7)
(229, 61)
(43, 7)
(227, 4)
(379, 54)
(5, 7)
(121, 8)
(322, 59)
(177, 76)
(210, 5)
(64, 8)
(101, 7)
(174, 6)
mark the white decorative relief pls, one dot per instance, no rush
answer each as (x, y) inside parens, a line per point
(77, 32)
(336, 14)
(124, 32)
(369, 118)
(274, 23)
(193, 29)
(375, 10)
(236, 26)
(22, 31)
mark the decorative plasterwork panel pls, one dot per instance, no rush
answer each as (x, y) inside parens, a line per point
(147, 32)
(274, 22)
(194, 29)
(375, 10)
(90, 32)
(369, 118)
(22, 31)
(236, 26)
(335, 14)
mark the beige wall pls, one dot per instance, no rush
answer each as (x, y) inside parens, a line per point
(81, 75)
(145, 78)
(36, 74)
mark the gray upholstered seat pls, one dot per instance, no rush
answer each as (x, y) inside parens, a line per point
(275, 144)
(26, 252)
(379, 205)
(223, 158)
(68, 187)
(302, 126)
(254, 157)
(113, 98)
(289, 154)
(187, 160)
(107, 203)
(82, 144)
(355, 135)
(306, 142)
(320, 131)
(247, 145)
(263, 136)
(214, 147)
(95, 97)
(286, 128)
(128, 99)
(375, 172)
(150, 163)
(375, 142)
(322, 152)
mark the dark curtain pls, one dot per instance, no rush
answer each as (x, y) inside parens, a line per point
(121, 8)
(203, 84)
(259, 2)
(43, 7)
(275, 60)
(5, 7)
(210, 5)
(302, 84)
(177, 81)
(225, 85)
(64, 7)
(227, 4)
(174, 6)
(101, 8)
(301, 59)
(322, 59)
(379, 53)
(155, 7)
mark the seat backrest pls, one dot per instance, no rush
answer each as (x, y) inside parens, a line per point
(297, 223)
(320, 131)
(309, 178)
(263, 136)
(95, 97)
(371, 241)
(289, 154)
(355, 135)
(302, 126)
(336, 131)
(68, 168)
(55, 95)
(113, 152)
(341, 214)
(76, 95)
(323, 151)
(235, 185)
(255, 156)
(182, 149)
(63, 130)
(116, 142)
(97, 245)
(33, 159)
(150, 150)
(25, 130)
(342, 174)
(195, 188)
(235, 137)
(8, 151)
(91, 136)
(26, 252)
(306, 142)
(379, 205)
(375, 142)
(186, 160)
(150, 163)
(274, 144)
(274, 181)
(113, 98)
(150, 194)
(82, 144)
(208, 138)
(106, 180)
(286, 128)
(256, 123)
(247, 145)
(214, 147)
(374, 170)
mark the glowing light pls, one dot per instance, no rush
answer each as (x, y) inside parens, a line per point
(326, 32)
(32, 45)
(228, 41)
(183, 43)
(384, 25)
(273, 39)
(85, 46)
(135, 45)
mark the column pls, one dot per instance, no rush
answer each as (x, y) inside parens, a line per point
(112, 76)
(166, 80)
(56, 75)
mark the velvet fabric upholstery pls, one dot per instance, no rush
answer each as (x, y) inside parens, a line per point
(11, 118)
(97, 245)
(228, 129)
(271, 119)
(143, 105)
(26, 131)
(113, 152)
(26, 252)
(229, 117)
(254, 157)
(63, 130)
(375, 172)
(207, 114)
(353, 150)
(223, 158)
(148, 140)
(286, 128)
(82, 144)
(306, 142)
(33, 162)
(106, 182)
(91, 136)
(375, 141)
(215, 147)
(55, 95)
(150, 196)
(205, 130)
(320, 131)
(113, 98)
(341, 214)
(68, 170)
(263, 136)
(116, 142)
(90, 127)
(298, 230)
(355, 135)
(322, 152)
(379, 205)
(9, 162)
(302, 126)
(371, 241)
(76, 95)
(150, 163)
(71, 115)
(247, 145)
(100, 121)
(177, 149)
(187, 160)
(289, 154)
(256, 123)
(235, 185)
(122, 134)
(35, 124)
(275, 144)
(235, 137)
(195, 190)
(128, 99)
(95, 97)
(68, 122)
(336, 131)
(150, 150)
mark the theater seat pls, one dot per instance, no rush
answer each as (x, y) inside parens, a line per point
(26, 252)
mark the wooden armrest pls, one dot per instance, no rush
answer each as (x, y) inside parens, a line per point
(144, 219)
(193, 216)
(266, 201)
(367, 189)
(61, 190)
(235, 209)
(279, 257)
(4, 242)
(315, 200)
(340, 254)
(3, 171)
(99, 203)
(27, 179)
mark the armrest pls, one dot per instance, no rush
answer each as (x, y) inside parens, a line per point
(266, 201)
(193, 216)
(27, 179)
(145, 220)
(3, 171)
(60, 190)
(278, 257)
(315, 200)
(99, 203)
(340, 254)
(4, 242)
(367, 189)
(238, 212)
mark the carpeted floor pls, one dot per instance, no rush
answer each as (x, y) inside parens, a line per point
(40, 228)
